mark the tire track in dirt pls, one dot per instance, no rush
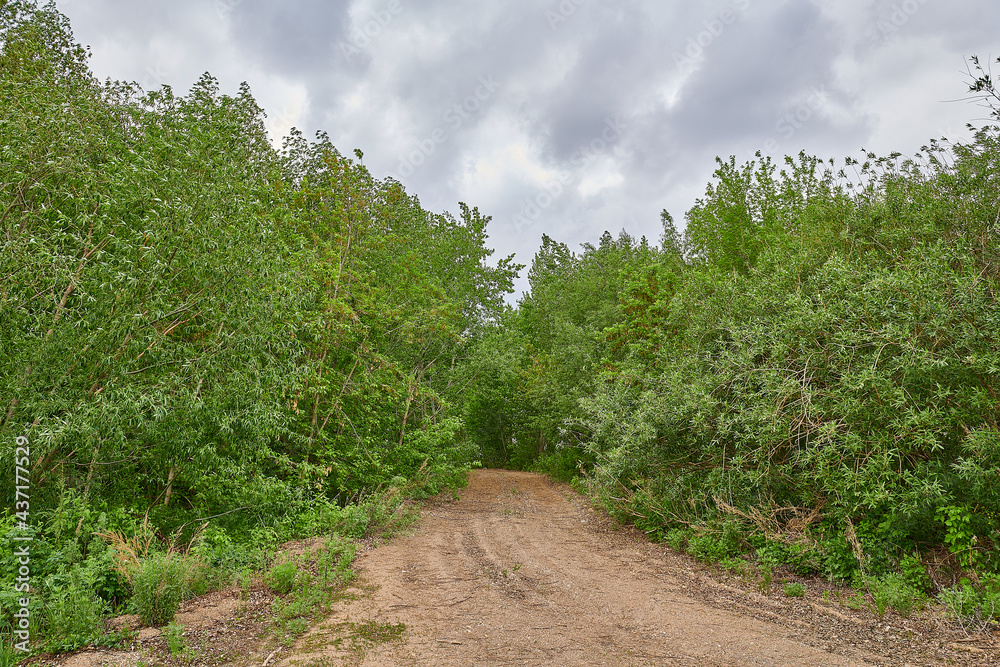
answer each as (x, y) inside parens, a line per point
(516, 573)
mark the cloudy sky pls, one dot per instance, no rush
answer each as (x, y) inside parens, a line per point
(566, 117)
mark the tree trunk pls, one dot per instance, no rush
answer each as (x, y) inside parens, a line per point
(170, 485)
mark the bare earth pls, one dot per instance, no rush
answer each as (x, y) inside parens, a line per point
(520, 571)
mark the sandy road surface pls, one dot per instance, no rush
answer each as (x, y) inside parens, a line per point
(519, 572)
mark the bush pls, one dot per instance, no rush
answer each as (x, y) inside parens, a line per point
(712, 547)
(76, 613)
(894, 590)
(281, 577)
(676, 539)
(975, 608)
(562, 464)
(158, 586)
(838, 562)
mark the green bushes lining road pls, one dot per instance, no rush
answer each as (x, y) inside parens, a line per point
(207, 343)
(812, 362)
(212, 347)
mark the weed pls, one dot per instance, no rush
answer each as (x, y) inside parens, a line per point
(856, 601)
(894, 590)
(766, 576)
(676, 539)
(794, 589)
(75, 614)
(736, 565)
(175, 639)
(281, 577)
(974, 608)
(312, 594)
(158, 586)
(7, 657)
(379, 633)
(244, 580)
(712, 548)
(358, 637)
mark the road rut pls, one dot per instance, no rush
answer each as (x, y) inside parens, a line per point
(521, 571)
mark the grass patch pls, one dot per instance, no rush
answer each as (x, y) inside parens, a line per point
(794, 589)
(316, 580)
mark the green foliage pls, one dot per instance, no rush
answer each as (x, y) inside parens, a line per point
(676, 538)
(74, 612)
(794, 589)
(8, 656)
(814, 353)
(959, 536)
(838, 560)
(312, 594)
(196, 327)
(174, 634)
(895, 590)
(914, 573)
(974, 607)
(159, 584)
(844, 369)
(713, 547)
(281, 577)
(563, 464)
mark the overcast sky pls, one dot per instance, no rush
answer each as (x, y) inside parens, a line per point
(566, 117)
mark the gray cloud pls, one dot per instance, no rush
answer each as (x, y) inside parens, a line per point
(504, 105)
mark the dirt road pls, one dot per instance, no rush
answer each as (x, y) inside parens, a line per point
(521, 571)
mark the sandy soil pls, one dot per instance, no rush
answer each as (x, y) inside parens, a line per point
(520, 571)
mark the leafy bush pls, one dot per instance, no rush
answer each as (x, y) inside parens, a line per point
(563, 464)
(676, 538)
(838, 562)
(75, 613)
(914, 572)
(712, 547)
(770, 554)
